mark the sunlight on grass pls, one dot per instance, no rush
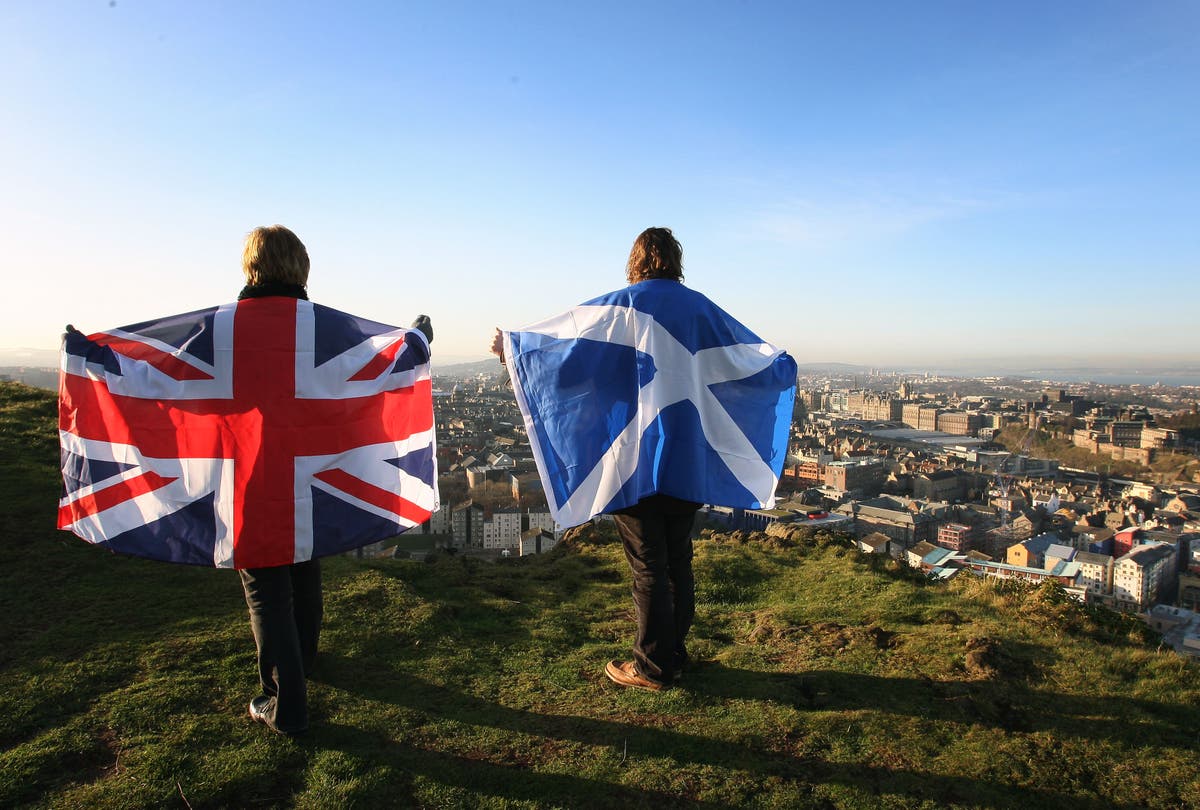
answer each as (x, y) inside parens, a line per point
(819, 679)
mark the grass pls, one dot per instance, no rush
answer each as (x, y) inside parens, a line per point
(825, 679)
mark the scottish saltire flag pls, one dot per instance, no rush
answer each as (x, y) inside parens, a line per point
(651, 389)
(254, 434)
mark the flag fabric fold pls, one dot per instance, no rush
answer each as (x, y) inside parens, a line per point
(652, 389)
(255, 434)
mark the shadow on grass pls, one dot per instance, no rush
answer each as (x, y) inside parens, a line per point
(1007, 704)
(687, 749)
(488, 779)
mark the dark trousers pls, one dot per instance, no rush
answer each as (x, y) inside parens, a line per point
(285, 614)
(657, 536)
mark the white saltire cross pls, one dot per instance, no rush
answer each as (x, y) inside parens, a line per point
(680, 375)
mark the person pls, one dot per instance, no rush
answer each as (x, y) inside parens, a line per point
(656, 532)
(285, 602)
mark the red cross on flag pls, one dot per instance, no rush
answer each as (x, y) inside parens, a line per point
(254, 434)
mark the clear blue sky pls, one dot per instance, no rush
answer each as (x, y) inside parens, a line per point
(863, 182)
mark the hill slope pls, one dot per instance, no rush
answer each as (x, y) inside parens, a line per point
(824, 680)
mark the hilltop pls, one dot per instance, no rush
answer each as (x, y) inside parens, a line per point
(825, 679)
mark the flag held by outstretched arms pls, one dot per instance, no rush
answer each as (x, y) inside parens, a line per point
(255, 434)
(652, 389)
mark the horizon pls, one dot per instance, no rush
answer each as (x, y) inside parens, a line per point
(1185, 372)
(931, 186)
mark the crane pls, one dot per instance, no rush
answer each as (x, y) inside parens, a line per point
(1003, 480)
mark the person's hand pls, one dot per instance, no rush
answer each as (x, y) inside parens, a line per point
(497, 346)
(423, 325)
(67, 330)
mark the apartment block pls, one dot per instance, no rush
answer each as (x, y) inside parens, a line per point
(540, 519)
(955, 536)
(466, 523)
(1142, 575)
(1095, 574)
(503, 530)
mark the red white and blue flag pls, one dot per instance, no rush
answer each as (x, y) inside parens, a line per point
(255, 434)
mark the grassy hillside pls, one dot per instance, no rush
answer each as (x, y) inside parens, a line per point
(823, 681)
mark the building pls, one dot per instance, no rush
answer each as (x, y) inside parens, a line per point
(466, 523)
(1092, 539)
(1064, 573)
(1155, 438)
(892, 518)
(1126, 434)
(875, 407)
(959, 423)
(810, 469)
(1189, 590)
(535, 541)
(956, 537)
(1056, 553)
(874, 543)
(1095, 574)
(541, 519)
(1031, 553)
(502, 530)
(864, 476)
(757, 520)
(997, 541)
(920, 417)
(527, 485)
(914, 554)
(939, 485)
(1142, 576)
(438, 523)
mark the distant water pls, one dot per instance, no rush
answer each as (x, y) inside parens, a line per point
(1119, 378)
(1102, 376)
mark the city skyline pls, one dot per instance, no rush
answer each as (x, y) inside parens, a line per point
(932, 184)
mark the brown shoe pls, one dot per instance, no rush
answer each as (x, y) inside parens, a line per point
(626, 674)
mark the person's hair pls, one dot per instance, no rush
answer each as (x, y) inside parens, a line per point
(656, 253)
(274, 254)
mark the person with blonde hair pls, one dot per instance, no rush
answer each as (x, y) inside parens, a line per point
(285, 602)
(252, 429)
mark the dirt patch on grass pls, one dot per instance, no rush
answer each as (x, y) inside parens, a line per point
(987, 659)
(770, 629)
(949, 617)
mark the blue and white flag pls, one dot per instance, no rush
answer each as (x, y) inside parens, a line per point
(652, 389)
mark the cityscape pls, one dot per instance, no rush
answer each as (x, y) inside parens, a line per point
(1094, 487)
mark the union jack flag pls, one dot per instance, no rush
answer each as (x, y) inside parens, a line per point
(248, 435)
